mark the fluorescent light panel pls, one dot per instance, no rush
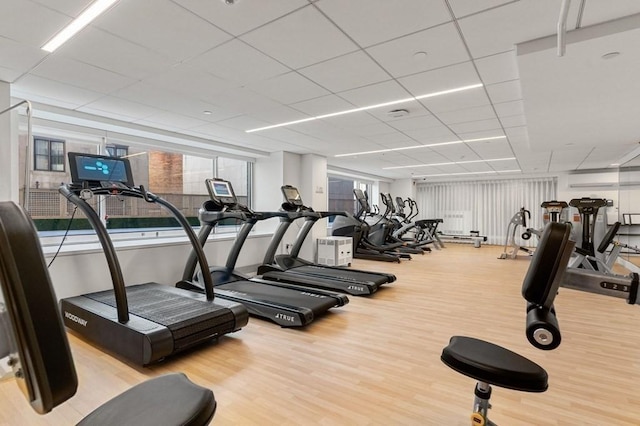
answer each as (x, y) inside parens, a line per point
(449, 163)
(420, 146)
(366, 108)
(469, 173)
(89, 14)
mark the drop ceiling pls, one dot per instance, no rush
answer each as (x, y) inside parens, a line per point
(158, 65)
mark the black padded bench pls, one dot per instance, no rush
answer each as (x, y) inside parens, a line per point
(491, 364)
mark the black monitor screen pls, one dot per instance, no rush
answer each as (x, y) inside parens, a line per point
(98, 168)
(221, 189)
(292, 195)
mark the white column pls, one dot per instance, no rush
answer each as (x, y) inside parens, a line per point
(313, 189)
(9, 168)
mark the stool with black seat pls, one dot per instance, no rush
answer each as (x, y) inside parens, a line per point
(34, 344)
(491, 364)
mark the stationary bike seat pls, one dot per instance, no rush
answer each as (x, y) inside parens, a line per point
(494, 364)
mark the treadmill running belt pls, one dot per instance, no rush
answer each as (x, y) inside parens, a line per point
(284, 296)
(346, 275)
(184, 317)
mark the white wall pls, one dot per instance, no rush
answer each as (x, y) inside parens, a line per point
(403, 188)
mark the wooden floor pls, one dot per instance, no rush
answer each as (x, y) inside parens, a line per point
(376, 361)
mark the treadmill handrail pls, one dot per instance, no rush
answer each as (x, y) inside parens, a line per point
(122, 306)
(195, 243)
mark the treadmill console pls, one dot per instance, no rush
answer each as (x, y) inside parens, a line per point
(100, 170)
(292, 195)
(221, 192)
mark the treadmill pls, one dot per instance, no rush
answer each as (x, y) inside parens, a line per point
(291, 268)
(142, 323)
(284, 304)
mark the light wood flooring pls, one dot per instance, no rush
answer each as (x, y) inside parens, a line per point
(376, 361)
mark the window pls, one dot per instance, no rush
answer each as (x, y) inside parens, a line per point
(117, 150)
(48, 155)
(176, 177)
(341, 196)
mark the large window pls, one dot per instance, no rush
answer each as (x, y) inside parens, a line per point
(117, 150)
(48, 155)
(341, 196)
(176, 177)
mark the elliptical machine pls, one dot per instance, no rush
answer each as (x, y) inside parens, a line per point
(511, 247)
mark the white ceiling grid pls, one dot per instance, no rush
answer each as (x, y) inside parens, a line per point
(163, 63)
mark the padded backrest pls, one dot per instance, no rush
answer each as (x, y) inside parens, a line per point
(608, 237)
(548, 264)
(44, 367)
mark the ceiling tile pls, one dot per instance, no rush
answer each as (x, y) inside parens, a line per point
(597, 11)
(171, 121)
(466, 7)
(375, 94)
(288, 88)
(505, 92)
(104, 50)
(19, 57)
(354, 120)
(415, 123)
(468, 114)
(498, 68)
(278, 115)
(243, 15)
(68, 7)
(30, 23)
(301, 38)
(172, 101)
(346, 72)
(374, 21)
(492, 149)
(473, 126)
(125, 110)
(183, 34)
(513, 121)
(82, 75)
(242, 100)
(431, 135)
(429, 49)
(9, 75)
(238, 62)
(440, 79)
(322, 105)
(454, 101)
(52, 92)
(498, 30)
(507, 109)
(190, 81)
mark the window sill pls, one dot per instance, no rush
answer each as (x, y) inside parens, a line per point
(86, 244)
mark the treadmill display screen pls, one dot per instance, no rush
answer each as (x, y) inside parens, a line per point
(221, 190)
(292, 195)
(97, 168)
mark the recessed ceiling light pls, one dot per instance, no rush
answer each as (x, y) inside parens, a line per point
(366, 108)
(397, 113)
(420, 56)
(84, 19)
(610, 55)
(449, 163)
(207, 112)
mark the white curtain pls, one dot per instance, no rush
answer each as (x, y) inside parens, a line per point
(492, 203)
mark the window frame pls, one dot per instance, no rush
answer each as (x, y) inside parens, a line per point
(49, 155)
